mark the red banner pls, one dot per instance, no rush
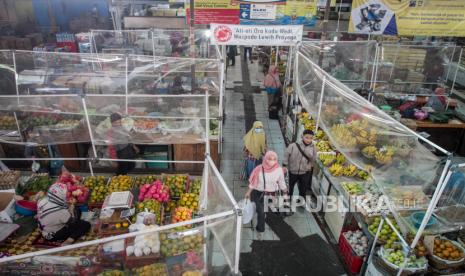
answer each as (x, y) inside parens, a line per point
(207, 16)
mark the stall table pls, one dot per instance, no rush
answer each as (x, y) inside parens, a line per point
(448, 135)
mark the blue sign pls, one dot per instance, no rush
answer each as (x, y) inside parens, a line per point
(244, 11)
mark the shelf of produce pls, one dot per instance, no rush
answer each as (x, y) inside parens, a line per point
(438, 228)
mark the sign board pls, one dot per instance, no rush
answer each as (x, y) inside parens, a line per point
(263, 35)
(408, 17)
(218, 11)
(322, 3)
(258, 11)
(292, 12)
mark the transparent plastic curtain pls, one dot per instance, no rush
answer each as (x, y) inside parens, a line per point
(156, 42)
(177, 249)
(451, 205)
(216, 195)
(7, 73)
(224, 234)
(371, 139)
(60, 73)
(122, 42)
(410, 68)
(351, 62)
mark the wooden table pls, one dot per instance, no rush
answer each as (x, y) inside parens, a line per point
(447, 135)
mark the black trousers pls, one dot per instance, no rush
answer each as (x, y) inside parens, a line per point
(125, 167)
(259, 199)
(247, 49)
(233, 59)
(304, 182)
(74, 229)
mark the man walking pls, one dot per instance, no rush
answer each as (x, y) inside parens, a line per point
(298, 160)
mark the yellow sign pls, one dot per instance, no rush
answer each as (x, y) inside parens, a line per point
(408, 17)
(298, 8)
(215, 4)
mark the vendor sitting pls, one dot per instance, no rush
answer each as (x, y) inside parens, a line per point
(58, 221)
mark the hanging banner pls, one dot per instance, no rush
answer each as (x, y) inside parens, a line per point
(322, 3)
(293, 12)
(217, 11)
(258, 1)
(284, 35)
(258, 11)
(408, 17)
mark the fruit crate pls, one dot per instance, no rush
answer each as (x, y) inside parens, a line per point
(353, 262)
(9, 179)
(134, 262)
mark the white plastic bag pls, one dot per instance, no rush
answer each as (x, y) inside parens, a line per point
(248, 210)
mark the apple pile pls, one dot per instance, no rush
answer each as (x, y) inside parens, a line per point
(193, 260)
(156, 190)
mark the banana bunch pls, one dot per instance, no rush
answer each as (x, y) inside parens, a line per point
(327, 159)
(363, 175)
(320, 135)
(336, 170)
(350, 170)
(323, 146)
(383, 157)
(344, 136)
(370, 151)
(340, 159)
(306, 121)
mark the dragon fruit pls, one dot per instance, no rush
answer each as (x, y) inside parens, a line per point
(157, 190)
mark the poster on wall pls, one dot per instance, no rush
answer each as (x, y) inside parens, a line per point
(257, 11)
(277, 35)
(217, 11)
(408, 17)
(293, 12)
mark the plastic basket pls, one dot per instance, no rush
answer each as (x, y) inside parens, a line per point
(353, 262)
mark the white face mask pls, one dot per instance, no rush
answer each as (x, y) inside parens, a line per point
(271, 163)
(258, 130)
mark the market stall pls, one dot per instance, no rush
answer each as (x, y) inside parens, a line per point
(169, 224)
(389, 181)
(155, 95)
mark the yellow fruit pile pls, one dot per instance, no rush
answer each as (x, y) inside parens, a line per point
(120, 183)
(327, 158)
(158, 269)
(323, 146)
(343, 136)
(189, 200)
(172, 245)
(97, 186)
(350, 170)
(370, 151)
(336, 169)
(177, 184)
(181, 214)
(7, 122)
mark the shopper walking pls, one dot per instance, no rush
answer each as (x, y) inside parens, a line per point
(58, 221)
(232, 52)
(249, 50)
(254, 148)
(272, 84)
(298, 162)
(266, 181)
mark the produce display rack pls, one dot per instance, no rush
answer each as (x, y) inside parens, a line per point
(220, 221)
(315, 89)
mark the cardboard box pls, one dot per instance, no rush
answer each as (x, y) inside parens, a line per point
(7, 206)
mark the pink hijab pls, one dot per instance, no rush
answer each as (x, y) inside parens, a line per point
(272, 78)
(253, 180)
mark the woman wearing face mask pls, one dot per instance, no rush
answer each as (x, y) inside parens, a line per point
(272, 84)
(254, 147)
(266, 180)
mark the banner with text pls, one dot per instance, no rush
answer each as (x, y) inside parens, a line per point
(266, 35)
(408, 17)
(218, 11)
(293, 12)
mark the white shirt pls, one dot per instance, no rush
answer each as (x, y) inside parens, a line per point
(274, 181)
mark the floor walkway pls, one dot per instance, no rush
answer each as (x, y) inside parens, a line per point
(245, 102)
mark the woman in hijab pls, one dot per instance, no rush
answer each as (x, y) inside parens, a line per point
(266, 180)
(58, 221)
(272, 84)
(254, 147)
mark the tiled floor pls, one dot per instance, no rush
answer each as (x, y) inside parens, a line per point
(302, 221)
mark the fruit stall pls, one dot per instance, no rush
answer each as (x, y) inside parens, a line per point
(141, 224)
(388, 183)
(193, 231)
(66, 99)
